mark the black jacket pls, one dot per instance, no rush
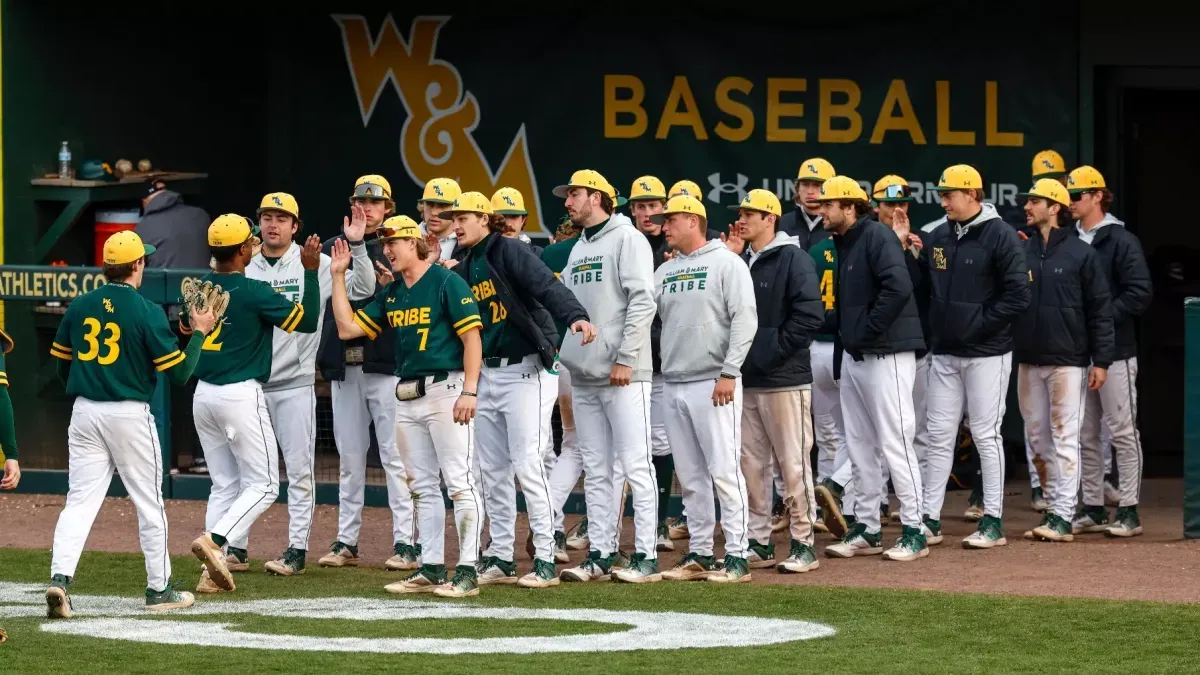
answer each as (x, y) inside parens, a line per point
(788, 297)
(791, 223)
(658, 245)
(1124, 265)
(1069, 321)
(979, 284)
(919, 273)
(530, 293)
(877, 313)
(379, 355)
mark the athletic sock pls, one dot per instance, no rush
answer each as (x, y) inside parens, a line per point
(217, 539)
(664, 467)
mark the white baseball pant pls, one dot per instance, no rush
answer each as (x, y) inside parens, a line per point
(513, 436)
(1116, 401)
(1052, 400)
(358, 400)
(434, 442)
(980, 385)
(877, 403)
(105, 436)
(239, 444)
(613, 425)
(707, 443)
(827, 412)
(660, 445)
(294, 418)
(1035, 480)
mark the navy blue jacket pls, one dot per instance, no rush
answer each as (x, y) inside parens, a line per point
(1069, 321)
(791, 223)
(978, 285)
(1124, 265)
(787, 295)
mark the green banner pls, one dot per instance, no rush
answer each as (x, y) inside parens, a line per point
(51, 284)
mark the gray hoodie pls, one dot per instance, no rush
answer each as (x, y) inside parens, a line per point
(1089, 236)
(611, 274)
(709, 315)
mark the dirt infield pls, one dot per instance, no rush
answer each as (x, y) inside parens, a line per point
(1158, 566)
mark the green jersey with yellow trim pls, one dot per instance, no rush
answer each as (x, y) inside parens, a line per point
(428, 318)
(500, 337)
(824, 255)
(117, 342)
(239, 347)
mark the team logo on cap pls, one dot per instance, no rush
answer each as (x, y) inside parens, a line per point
(645, 185)
(508, 200)
(437, 190)
(277, 200)
(1047, 163)
(812, 168)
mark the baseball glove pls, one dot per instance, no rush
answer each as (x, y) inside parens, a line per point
(199, 297)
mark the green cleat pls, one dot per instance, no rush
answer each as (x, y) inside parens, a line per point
(989, 534)
(692, 567)
(424, 580)
(1126, 524)
(169, 598)
(289, 564)
(801, 559)
(493, 570)
(465, 584)
(910, 546)
(543, 575)
(641, 570)
(736, 570)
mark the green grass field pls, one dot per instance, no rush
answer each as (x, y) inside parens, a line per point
(876, 630)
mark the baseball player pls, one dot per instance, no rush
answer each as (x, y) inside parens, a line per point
(685, 187)
(979, 283)
(610, 271)
(1128, 279)
(518, 383)
(804, 222)
(438, 354)
(510, 203)
(9, 453)
(777, 414)
(290, 391)
(706, 299)
(229, 407)
(439, 194)
(1063, 345)
(362, 377)
(878, 332)
(112, 343)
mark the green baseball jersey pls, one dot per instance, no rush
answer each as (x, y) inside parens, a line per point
(556, 256)
(428, 318)
(239, 347)
(117, 342)
(500, 337)
(8, 426)
(824, 255)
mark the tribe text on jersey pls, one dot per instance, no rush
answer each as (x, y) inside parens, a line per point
(688, 279)
(587, 270)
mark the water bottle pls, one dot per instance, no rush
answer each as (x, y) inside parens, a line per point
(64, 161)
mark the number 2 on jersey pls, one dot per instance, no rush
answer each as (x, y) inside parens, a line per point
(827, 289)
(112, 351)
(210, 342)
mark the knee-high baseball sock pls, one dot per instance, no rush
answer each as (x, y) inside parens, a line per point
(664, 468)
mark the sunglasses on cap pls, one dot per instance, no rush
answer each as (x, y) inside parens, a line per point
(370, 191)
(895, 192)
(1076, 196)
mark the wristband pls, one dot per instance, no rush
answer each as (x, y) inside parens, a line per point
(470, 393)
(360, 242)
(728, 377)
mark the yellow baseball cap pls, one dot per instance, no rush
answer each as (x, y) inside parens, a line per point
(891, 188)
(441, 191)
(400, 227)
(280, 201)
(590, 179)
(468, 202)
(371, 186)
(816, 169)
(760, 200)
(125, 247)
(508, 202)
(960, 177)
(1048, 188)
(1048, 164)
(685, 187)
(680, 204)
(647, 187)
(843, 188)
(229, 229)
(1085, 179)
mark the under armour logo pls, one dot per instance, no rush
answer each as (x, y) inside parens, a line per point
(1058, 270)
(968, 261)
(525, 376)
(719, 188)
(452, 386)
(277, 200)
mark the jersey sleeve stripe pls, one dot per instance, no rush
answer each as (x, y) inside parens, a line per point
(4, 379)
(65, 356)
(65, 350)
(289, 324)
(374, 326)
(365, 324)
(476, 324)
(168, 357)
(179, 358)
(473, 317)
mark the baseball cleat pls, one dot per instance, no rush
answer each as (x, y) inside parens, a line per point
(206, 585)
(1090, 519)
(691, 567)
(932, 529)
(1126, 524)
(641, 570)
(578, 539)
(856, 542)
(169, 598)
(829, 497)
(802, 558)
(1112, 496)
(560, 548)
(424, 579)
(236, 559)
(464, 584)
(289, 564)
(1038, 501)
(910, 546)
(678, 529)
(760, 556)
(542, 576)
(58, 603)
(593, 568)
(207, 551)
(735, 571)
(779, 517)
(493, 570)
(618, 561)
(406, 558)
(340, 555)
(664, 539)
(989, 534)
(1053, 528)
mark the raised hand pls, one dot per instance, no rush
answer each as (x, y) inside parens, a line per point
(310, 255)
(339, 257)
(733, 241)
(355, 226)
